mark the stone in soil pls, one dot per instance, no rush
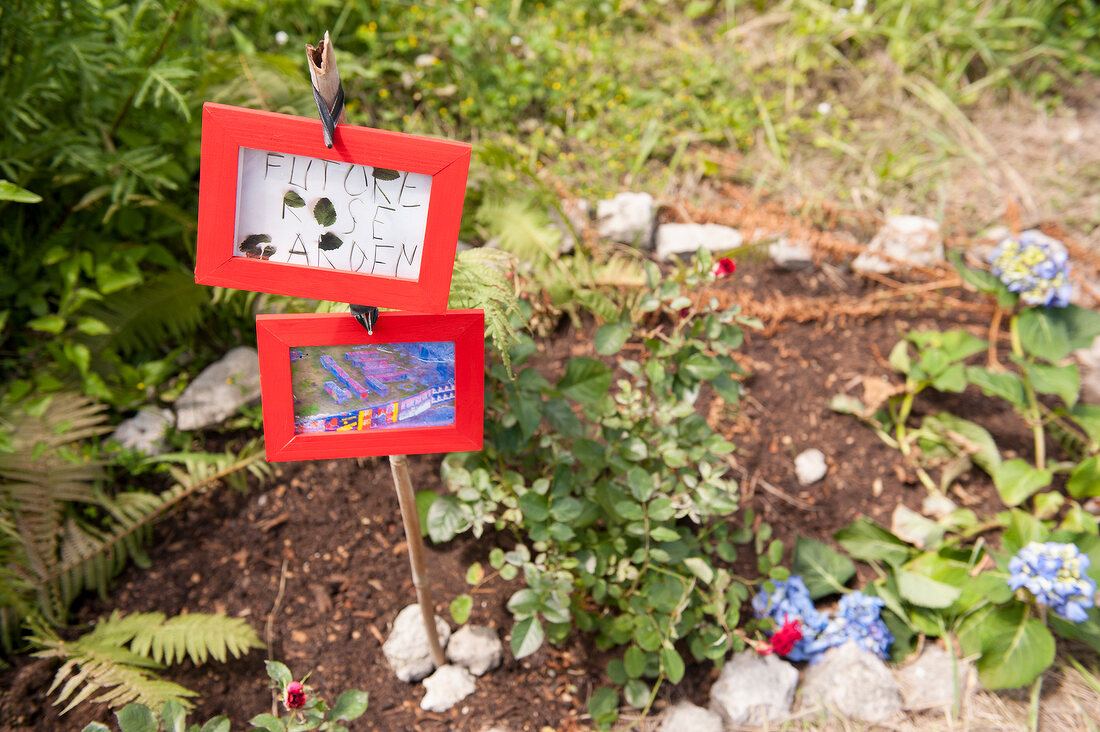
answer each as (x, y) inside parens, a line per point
(407, 648)
(905, 240)
(789, 255)
(627, 218)
(852, 682)
(220, 390)
(754, 690)
(476, 647)
(810, 467)
(1088, 363)
(446, 687)
(934, 680)
(145, 431)
(673, 239)
(687, 717)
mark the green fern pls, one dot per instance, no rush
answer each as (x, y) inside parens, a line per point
(98, 662)
(484, 278)
(164, 310)
(60, 535)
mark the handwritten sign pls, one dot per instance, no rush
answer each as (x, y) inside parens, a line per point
(373, 220)
(325, 213)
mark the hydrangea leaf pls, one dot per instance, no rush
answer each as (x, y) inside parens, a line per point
(1062, 381)
(823, 569)
(1017, 480)
(1015, 648)
(867, 541)
(923, 591)
(1084, 482)
(1042, 335)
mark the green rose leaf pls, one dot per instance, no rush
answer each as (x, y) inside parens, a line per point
(446, 519)
(636, 692)
(527, 636)
(461, 607)
(293, 200)
(136, 718)
(672, 664)
(324, 212)
(603, 707)
(219, 723)
(279, 673)
(611, 337)
(585, 380)
(350, 705)
(634, 661)
(268, 722)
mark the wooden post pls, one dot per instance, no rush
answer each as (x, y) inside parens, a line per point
(326, 80)
(399, 466)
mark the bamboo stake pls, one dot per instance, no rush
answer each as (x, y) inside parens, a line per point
(326, 79)
(399, 466)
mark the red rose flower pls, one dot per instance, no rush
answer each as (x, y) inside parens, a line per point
(295, 695)
(724, 267)
(783, 640)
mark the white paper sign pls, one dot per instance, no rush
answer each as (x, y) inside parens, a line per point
(331, 215)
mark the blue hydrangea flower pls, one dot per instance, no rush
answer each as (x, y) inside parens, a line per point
(791, 601)
(1035, 266)
(858, 618)
(1054, 574)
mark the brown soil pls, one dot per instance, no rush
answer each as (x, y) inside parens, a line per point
(331, 531)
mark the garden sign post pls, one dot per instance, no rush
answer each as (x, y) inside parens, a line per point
(291, 206)
(328, 92)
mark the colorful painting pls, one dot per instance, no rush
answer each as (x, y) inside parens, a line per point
(377, 386)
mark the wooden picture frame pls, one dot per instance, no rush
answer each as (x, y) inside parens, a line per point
(399, 374)
(374, 220)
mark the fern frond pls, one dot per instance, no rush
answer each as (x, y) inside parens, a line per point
(484, 278)
(522, 230)
(118, 675)
(164, 310)
(198, 636)
(99, 662)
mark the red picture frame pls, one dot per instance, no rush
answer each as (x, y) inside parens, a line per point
(229, 133)
(278, 335)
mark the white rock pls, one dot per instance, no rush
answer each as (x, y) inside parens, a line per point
(446, 687)
(754, 690)
(220, 390)
(407, 649)
(909, 239)
(627, 218)
(853, 682)
(938, 506)
(1088, 363)
(475, 647)
(791, 255)
(145, 431)
(933, 680)
(687, 717)
(673, 239)
(810, 466)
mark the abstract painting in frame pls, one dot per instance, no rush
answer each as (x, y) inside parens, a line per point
(330, 390)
